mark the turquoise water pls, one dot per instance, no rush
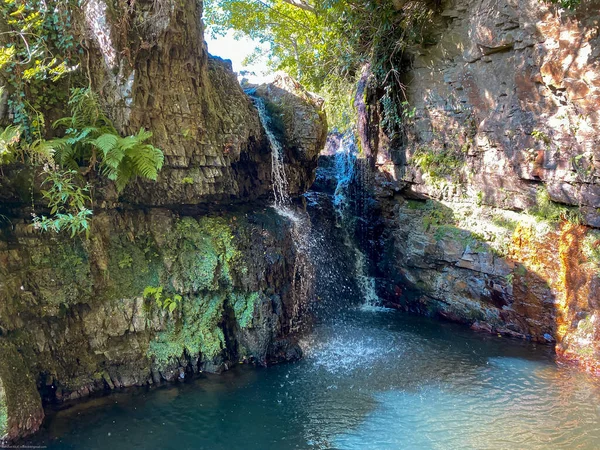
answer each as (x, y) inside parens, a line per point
(374, 379)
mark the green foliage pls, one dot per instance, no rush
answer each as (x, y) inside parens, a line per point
(67, 201)
(133, 264)
(437, 215)
(37, 50)
(243, 307)
(550, 211)
(125, 262)
(204, 251)
(90, 137)
(541, 136)
(9, 138)
(439, 164)
(3, 412)
(324, 43)
(166, 303)
(510, 278)
(198, 331)
(567, 4)
(591, 248)
(187, 180)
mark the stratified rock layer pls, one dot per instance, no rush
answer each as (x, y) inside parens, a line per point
(504, 136)
(172, 279)
(78, 316)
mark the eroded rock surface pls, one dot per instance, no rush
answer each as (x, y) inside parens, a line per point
(504, 136)
(151, 296)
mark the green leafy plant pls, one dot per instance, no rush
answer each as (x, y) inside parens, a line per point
(325, 43)
(166, 303)
(541, 136)
(67, 201)
(567, 4)
(551, 211)
(37, 50)
(591, 249)
(438, 164)
(510, 278)
(9, 138)
(90, 138)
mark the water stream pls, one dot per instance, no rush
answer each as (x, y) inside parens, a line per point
(280, 182)
(345, 172)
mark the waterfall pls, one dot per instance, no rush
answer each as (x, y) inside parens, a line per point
(303, 271)
(345, 173)
(280, 183)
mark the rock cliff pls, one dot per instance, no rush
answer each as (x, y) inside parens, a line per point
(176, 276)
(489, 196)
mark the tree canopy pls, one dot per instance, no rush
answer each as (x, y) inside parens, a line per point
(324, 43)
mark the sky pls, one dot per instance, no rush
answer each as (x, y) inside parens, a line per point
(227, 47)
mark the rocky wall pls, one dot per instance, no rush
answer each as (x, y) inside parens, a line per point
(150, 296)
(490, 193)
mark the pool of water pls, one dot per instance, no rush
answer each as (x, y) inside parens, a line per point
(371, 378)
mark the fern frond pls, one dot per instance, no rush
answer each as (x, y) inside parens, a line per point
(44, 151)
(106, 143)
(124, 175)
(146, 161)
(143, 135)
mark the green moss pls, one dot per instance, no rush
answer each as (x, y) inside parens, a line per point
(198, 331)
(20, 402)
(416, 204)
(133, 264)
(3, 412)
(204, 251)
(437, 215)
(439, 164)
(243, 307)
(62, 271)
(550, 211)
(591, 249)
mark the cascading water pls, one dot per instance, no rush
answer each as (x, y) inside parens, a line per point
(301, 226)
(280, 183)
(345, 173)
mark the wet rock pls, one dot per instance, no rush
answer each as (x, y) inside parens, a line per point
(86, 324)
(21, 412)
(299, 121)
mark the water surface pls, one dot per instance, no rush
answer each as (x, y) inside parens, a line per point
(371, 378)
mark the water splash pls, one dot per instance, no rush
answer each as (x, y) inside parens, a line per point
(303, 272)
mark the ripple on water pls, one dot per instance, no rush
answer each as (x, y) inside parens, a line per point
(370, 380)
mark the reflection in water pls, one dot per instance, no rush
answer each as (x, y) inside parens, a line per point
(371, 379)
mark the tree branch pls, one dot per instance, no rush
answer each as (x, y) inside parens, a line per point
(301, 4)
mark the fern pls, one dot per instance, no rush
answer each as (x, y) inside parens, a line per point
(91, 138)
(9, 137)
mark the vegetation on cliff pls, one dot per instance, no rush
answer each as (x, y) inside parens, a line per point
(325, 43)
(44, 70)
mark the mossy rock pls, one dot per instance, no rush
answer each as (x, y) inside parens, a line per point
(203, 251)
(196, 332)
(21, 410)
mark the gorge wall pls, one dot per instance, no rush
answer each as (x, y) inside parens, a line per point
(194, 272)
(490, 195)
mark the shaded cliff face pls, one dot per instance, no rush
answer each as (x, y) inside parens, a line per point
(158, 291)
(502, 137)
(150, 67)
(78, 316)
